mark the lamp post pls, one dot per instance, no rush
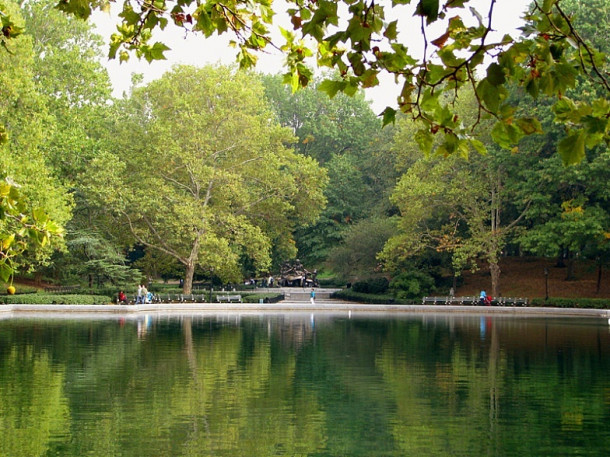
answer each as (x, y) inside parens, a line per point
(546, 284)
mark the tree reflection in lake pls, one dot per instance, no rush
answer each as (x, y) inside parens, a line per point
(292, 384)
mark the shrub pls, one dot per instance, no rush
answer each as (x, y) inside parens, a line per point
(55, 299)
(267, 298)
(371, 286)
(331, 282)
(412, 284)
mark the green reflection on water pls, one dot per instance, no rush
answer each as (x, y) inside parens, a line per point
(298, 385)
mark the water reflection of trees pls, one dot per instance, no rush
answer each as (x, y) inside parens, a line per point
(286, 385)
(503, 388)
(33, 408)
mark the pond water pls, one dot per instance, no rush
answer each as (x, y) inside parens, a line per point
(304, 385)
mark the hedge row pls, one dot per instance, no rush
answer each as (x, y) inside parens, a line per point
(55, 299)
(130, 290)
(360, 297)
(590, 303)
(267, 298)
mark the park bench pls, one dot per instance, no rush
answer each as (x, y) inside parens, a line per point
(510, 301)
(473, 300)
(174, 298)
(171, 298)
(228, 298)
(194, 298)
(450, 300)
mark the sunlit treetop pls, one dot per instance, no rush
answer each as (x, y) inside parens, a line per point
(360, 39)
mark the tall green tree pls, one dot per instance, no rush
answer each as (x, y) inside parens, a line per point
(201, 173)
(569, 214)
(76, 87)
(452, 205)
(355, 257)
(344, 134)
(69, 76)
(461, 204)
(30, 188)
(324, 127)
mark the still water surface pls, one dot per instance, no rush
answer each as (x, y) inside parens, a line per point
(304, 385)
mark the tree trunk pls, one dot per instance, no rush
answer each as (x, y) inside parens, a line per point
(188, 278)
(599, 278)
(570, 270)
(494, 270)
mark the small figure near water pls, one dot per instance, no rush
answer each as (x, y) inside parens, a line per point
(312, 296)
(141, 296)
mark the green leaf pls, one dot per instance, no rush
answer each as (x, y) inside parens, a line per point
(506, 135)
(479, 146)
(448, 57)
(529, 125)
(425, 140)
(490, 95)
(572, 148)
(79, 8)
(5, 272)
(331, 87)
(7, 242)
(595, 124)
(566, 110)
(157, 51)
(547, 5)
(389, 116)
(565, 76)
(391, 30)
(495, 75)
(429, 101)
(532, 88)
(204, 21)
(435, 73)
(428, 9)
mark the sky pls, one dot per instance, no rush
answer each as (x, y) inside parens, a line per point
(194, 49)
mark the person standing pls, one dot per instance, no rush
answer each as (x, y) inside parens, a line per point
(139, 296)
(144, 294)
(312, 296)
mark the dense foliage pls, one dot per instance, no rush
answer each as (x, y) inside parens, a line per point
(218, 174)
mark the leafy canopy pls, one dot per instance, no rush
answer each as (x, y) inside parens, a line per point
(357, 38)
